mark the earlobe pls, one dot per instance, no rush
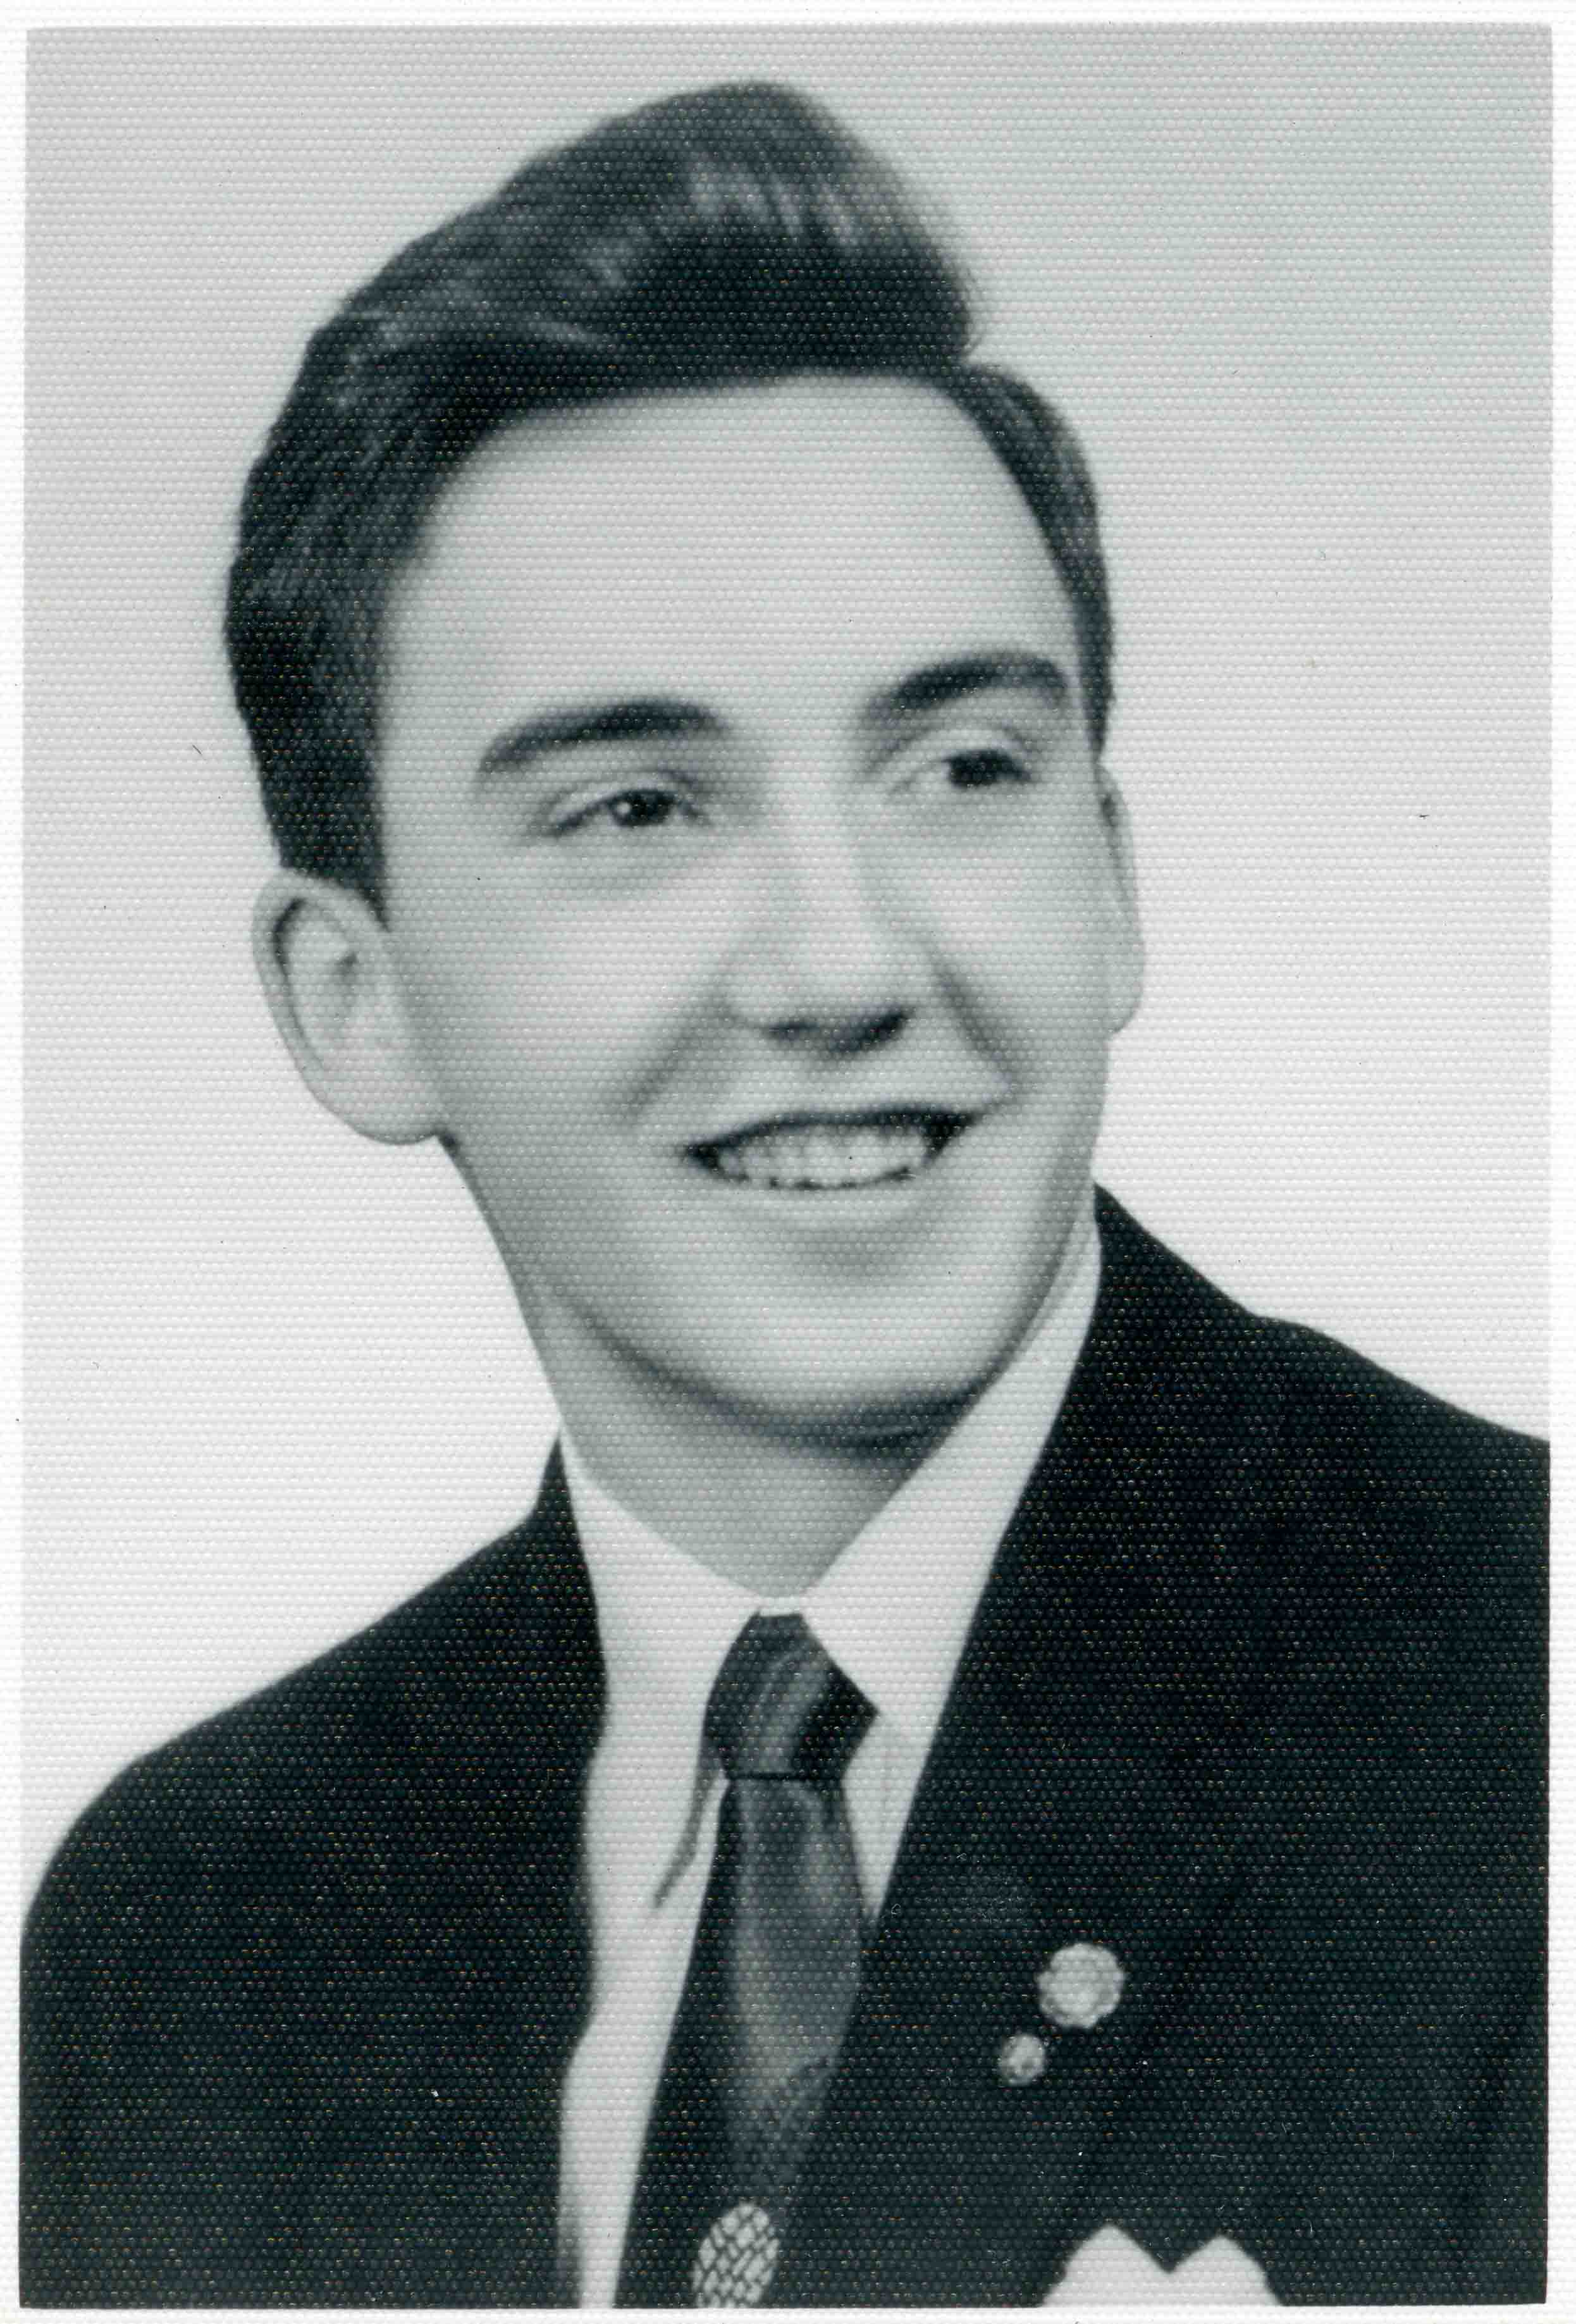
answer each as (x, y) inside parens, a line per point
(1124, 936)
(324, 958)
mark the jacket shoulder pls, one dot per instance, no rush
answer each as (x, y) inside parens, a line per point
(1360, 1396)
(266, 1758)
(1392, 1549)
(316, 1903)
(1347, 1425)
(492, 1662)
(1453, 1506)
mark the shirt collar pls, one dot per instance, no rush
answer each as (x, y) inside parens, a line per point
(893, 1611)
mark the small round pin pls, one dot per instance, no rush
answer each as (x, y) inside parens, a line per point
(1021, 2059)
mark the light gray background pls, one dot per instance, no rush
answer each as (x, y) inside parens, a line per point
(1291, 285)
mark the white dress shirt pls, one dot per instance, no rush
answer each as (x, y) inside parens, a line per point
(893, 1611)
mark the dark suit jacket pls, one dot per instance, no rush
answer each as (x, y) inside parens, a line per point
(1252, 1699)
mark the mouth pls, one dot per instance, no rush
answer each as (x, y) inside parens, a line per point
(823, 1153)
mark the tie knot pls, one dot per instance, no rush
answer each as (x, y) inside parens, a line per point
(781, 1707)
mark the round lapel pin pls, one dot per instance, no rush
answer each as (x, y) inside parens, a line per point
(1080, 1985)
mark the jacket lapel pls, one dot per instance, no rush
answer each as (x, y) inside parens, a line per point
(1091, 1784)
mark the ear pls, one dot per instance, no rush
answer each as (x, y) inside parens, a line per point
(1124, 946)
(324, 957)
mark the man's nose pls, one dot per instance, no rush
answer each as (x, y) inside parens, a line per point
(828, 953)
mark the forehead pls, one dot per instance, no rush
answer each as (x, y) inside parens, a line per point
(820, 533)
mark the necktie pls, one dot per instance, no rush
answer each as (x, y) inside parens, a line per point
(771, 1979)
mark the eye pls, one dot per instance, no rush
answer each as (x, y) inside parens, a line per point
(977, 768)
(638, 808)
(941, 767)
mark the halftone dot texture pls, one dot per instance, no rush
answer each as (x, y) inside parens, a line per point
(1292, 285)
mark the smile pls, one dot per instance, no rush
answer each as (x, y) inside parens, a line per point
(824, 1153)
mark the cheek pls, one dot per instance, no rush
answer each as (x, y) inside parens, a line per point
(549, 1018)
(1028, 947)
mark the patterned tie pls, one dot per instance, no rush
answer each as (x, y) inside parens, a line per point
(772, 1977)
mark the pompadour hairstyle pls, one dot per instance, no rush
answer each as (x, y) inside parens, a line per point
(738, 234)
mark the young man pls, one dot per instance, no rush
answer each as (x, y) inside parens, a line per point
(990, 1772)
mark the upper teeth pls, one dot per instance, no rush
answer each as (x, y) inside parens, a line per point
(826, 1155)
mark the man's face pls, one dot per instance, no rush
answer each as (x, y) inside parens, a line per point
(749, 888)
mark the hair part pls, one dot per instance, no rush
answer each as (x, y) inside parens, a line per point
(735, 235)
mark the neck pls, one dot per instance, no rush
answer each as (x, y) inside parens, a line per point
(769, 1511)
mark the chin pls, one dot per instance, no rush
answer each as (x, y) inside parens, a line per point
(851, 1404)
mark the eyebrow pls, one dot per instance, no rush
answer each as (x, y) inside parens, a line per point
(946, 682)
(663, 718)
(646, 718)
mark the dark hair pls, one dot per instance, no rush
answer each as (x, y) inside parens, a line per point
(736, 234)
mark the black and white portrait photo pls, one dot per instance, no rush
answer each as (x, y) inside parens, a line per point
(786, 964)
